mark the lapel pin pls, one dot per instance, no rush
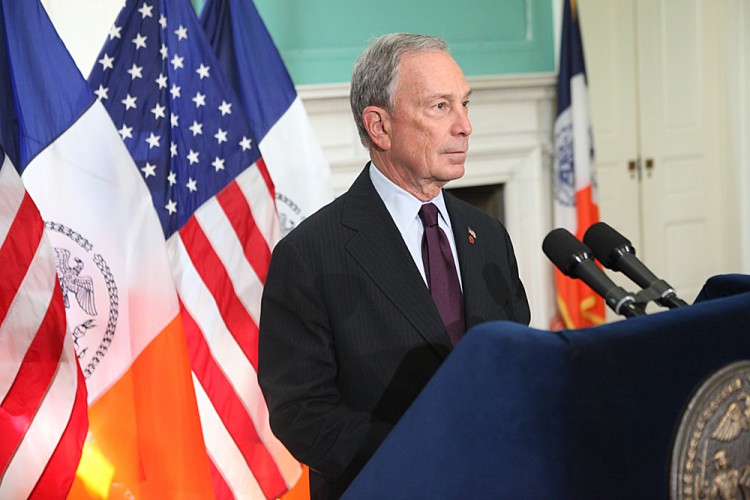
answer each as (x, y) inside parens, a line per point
(472, 235)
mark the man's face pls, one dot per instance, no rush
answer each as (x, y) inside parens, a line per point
(429, 125)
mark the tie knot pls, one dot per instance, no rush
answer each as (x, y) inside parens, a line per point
(428, 213)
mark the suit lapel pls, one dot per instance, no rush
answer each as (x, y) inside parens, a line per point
(380, 250)
(472, 257)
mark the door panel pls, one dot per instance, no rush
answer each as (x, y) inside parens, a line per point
(678, 89)
(607, 29)
(654, 86)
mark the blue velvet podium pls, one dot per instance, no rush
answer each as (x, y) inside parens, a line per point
(517, 412)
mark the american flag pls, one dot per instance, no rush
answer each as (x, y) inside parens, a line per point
(159, 79)
(43, 419)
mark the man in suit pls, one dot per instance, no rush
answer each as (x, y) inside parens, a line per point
(349, 331)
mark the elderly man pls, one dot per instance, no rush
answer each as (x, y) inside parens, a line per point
(367, 297)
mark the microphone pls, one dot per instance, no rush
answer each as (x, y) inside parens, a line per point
(574, 259)
(616, 252)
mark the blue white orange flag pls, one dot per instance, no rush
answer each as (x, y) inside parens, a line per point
(144, 438)
(159, 79)
(251, 61)
(575, 203)
(43, 418)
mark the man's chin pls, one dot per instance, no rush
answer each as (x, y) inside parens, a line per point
(453, 172)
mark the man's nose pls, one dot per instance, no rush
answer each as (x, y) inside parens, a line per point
(462, 126)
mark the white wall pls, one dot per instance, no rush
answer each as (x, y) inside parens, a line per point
(83, 26)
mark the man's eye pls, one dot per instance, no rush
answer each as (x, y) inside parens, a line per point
(440, 105)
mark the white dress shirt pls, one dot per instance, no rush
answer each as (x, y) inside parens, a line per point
(404, 210)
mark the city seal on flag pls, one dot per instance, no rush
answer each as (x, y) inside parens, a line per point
(711, 451)
(89, 293)
(289, 212)
(564, 184)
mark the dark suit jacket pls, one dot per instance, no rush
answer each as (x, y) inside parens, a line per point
(349, 333)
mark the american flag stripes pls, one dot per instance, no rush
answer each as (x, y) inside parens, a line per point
(43, 419)
(249, 58)
(159, 79)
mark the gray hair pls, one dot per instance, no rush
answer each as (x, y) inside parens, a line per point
(375, 73)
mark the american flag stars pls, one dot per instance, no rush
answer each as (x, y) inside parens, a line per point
(203, 71)
(139, 41)
(129, 101)
(114, 32)
(177, 62)
(181, 33)
(148, 170)
(159, 111)
(107, 62)
(162, 81)
(153, 140)
(102, 92)
(172, 110)
(126, 132)
(146, 10)
(135, 72)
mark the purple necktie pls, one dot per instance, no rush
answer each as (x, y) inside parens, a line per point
(442, 279)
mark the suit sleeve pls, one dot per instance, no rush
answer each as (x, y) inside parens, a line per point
(297, 372)
(521, 311)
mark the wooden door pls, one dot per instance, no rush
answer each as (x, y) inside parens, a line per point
(654, 87)
(679, 95)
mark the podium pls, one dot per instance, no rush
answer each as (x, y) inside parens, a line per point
(517, 412)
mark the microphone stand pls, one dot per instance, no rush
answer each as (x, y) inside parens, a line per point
(661, 293)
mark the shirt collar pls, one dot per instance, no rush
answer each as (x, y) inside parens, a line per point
(403, 206)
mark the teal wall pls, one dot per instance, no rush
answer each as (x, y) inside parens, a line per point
(320, 39)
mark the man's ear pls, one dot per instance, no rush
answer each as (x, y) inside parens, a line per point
(378, 126)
